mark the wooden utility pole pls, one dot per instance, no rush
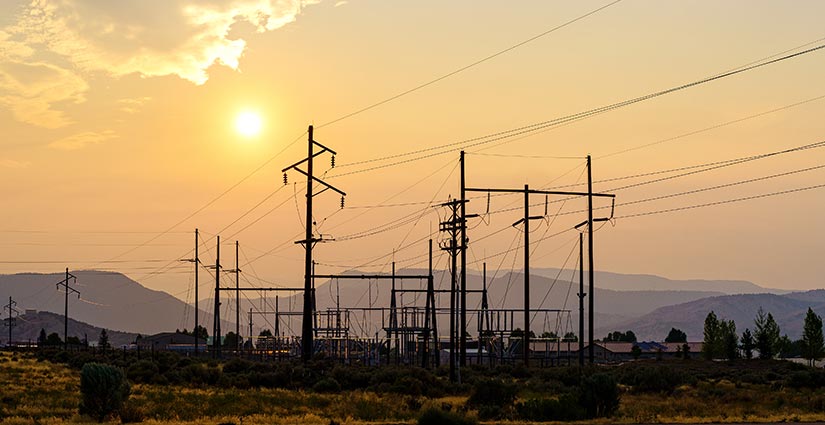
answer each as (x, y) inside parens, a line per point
(67, 289)
(590, 271)
(581, 299)
(11, 320)
(309, 240)
(216, 326)
(196, 262)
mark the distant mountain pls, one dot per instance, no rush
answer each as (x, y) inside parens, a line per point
(28, 328)
(108, 299)
(788, 310)
(504, 292)
(644, 282)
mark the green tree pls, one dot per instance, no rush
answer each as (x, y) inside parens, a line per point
(73, 340)
(599, 395)
(813, 343)
(201, 333)
(747, 345)
(729, 339)
(53, 339)
(766, 335)
(104, 389)
(265, 333)
(711, 343)
(570, 337)
(231, 340)
(103, 339)
(617, 336)
(686, 351)
(41, 339)
(676, 335)
(636, 352)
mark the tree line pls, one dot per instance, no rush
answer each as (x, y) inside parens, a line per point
(721, 340)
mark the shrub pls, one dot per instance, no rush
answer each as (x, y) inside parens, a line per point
(434, 416)
(655, 379)
(143, 371)
(493, 398)
(103, 389)
(599, 395)
(326, 385)
(565, 408)
(130, 413)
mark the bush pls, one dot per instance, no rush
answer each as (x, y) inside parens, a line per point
(565, 408)
(103, 389)
(655, 379)
(434, 416)
(599, 395)
(326, 385)
(143, 371)
(130, 413)
(493, 398)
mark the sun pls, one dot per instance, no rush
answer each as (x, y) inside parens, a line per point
(248, 124)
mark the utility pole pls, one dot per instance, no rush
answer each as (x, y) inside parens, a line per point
(527, 191)
(581, 299)
(309, 241)
(237, 272)
(216, 326)
(463, 304)
(196, 262)
(451, 227)
(11, 321)
(67, 289)
(590, 272)
(526, 339)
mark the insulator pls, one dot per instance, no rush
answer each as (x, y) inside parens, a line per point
(285, 180)
(333, 161)
(342, 202)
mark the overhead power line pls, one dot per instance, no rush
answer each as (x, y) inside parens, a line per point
(466, 67)
(506, 134)
(723, 202)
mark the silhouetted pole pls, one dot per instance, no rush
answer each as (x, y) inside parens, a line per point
(216, 326)
(462, 344)
(66, 314)
(581, 299)
(306, 325)
(453, 296)
(526, 338)
(67, 288)
(197, 264)
(590, 254)
(237, 301)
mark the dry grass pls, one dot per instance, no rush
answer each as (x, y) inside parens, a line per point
(46, 393)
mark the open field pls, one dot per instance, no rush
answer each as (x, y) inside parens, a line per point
(652, 392)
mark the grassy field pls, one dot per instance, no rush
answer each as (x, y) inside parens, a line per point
(47, 393)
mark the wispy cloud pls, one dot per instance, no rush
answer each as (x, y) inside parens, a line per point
(12, 163)
(133, 105)
(30, 91)
(81, 140)
(341, 3)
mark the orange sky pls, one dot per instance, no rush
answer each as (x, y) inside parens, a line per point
(117, 123)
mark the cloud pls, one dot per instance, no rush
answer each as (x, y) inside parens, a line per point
(72, 39)
(81, 140)
(132, 106)
(30, 91)
(11, 163)
(151, 37)
(341, 3)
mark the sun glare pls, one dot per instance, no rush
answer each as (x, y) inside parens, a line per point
(248, 124)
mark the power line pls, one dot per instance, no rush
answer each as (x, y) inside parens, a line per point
(723, 202)
(531, 128)
(466, 67)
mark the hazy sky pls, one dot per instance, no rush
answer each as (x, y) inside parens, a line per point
(118, 122)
